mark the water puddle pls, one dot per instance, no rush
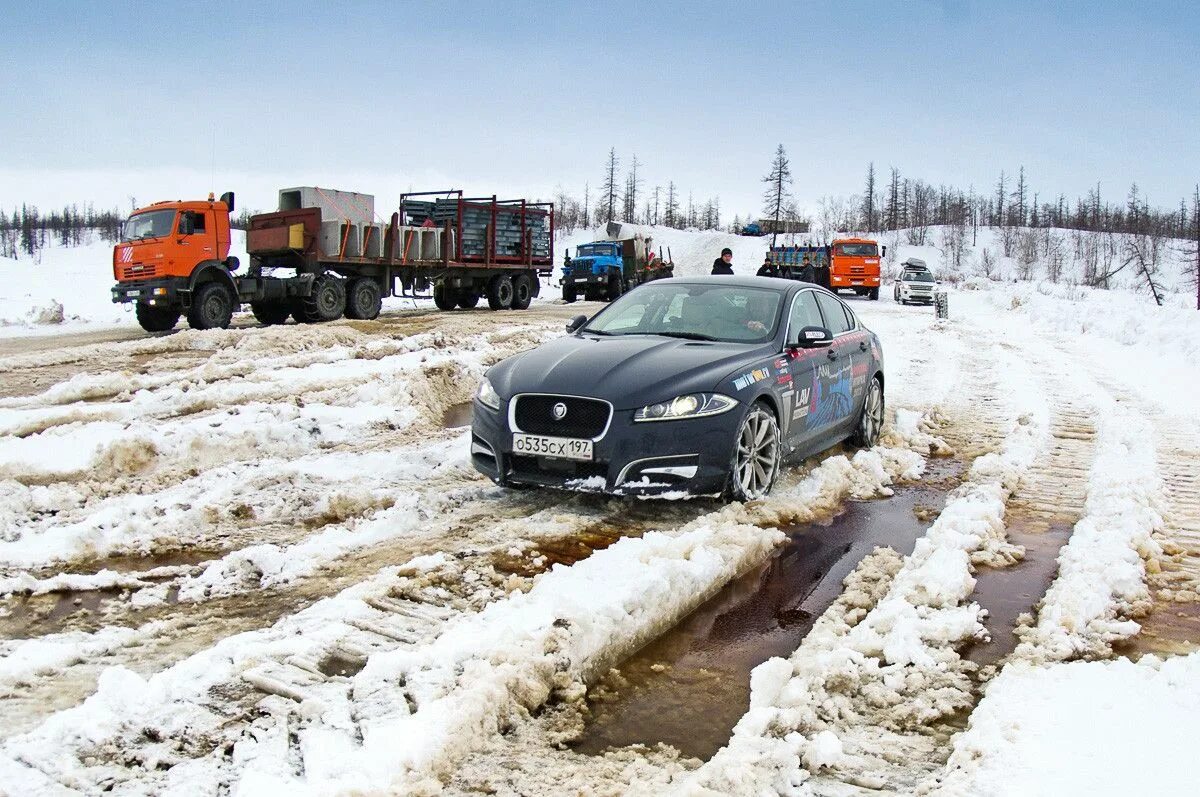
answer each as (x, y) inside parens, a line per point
(689, 687)
(457, 416)
(1008, 592)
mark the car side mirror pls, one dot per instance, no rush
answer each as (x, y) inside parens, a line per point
(812, 338)
(187, 224)
(576, 322)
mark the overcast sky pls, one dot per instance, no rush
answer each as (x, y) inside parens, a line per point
(165, 100)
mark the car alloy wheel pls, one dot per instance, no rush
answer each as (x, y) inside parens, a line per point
(756, 455)
(870, 422)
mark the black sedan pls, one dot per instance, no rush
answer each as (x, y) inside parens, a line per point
(699, 385)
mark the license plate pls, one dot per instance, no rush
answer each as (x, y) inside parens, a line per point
(536, 445)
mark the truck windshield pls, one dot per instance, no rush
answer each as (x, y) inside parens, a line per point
(693, 312)
(857, 250)
(590, 250)
(151, 224)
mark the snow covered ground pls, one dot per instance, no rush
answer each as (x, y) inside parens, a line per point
(289, 578)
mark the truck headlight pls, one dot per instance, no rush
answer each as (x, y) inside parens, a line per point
(692, 405)
(487, 395)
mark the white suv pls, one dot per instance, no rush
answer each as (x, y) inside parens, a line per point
(915, 283)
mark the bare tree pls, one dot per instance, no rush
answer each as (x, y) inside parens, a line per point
(1144, 252)
(778, 193)
(1192, 266)
(609, 187)
(987, 264)
(671, 214)
(633, 184)
(868, 211)
(1027, 252)
(893, 202)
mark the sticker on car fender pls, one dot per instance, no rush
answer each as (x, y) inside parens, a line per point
(746, 380)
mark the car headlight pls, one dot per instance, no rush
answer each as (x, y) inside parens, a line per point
(487, 395)
(692, 405)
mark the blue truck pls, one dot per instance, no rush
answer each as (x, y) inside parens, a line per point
(603, 270)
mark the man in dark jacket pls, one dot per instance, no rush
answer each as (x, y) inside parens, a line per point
(768, 268)
(806, 271)
(724, 263)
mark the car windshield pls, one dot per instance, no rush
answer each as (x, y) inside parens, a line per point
(857, 250)
(692, 311)
(151, 224)
(917, 276)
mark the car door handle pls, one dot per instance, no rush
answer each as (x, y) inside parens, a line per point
(832, 354)
(862, 346)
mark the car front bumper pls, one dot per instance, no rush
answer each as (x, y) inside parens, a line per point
(690, 455)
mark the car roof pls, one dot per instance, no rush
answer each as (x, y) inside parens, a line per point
(738, 281)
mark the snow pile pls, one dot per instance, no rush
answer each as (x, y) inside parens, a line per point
(889, 661)
(1101, 582)
(1115, 727)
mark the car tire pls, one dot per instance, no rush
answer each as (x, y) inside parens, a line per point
(364, 300)
(156, 319)
(757, 454)
(870, 418)
(270, 313)
(500, 292)
(522, 292)
(212, 307)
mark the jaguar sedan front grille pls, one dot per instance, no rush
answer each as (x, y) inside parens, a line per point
(561, 416)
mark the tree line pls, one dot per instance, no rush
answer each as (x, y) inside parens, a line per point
(622, 196)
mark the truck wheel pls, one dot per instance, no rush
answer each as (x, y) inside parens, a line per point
(500, 292)
(522, 292)
(616, 287)
(327, 301)
(445, 297)
(212, 307)
(363, 299)
(874, 294)
(270, 313)
(569, 294)
(468, 299)
(156, 319)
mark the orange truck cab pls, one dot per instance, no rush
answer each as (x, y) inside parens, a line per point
(173, 258)
(854, 264)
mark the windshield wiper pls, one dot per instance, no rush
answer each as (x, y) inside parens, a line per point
(599, 332)
(686, 335)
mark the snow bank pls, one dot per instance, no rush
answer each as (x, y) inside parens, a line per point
(1099, 728)
(1101, 582)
